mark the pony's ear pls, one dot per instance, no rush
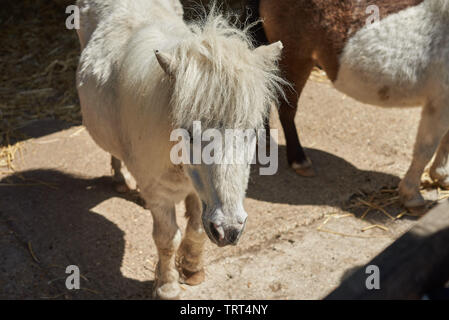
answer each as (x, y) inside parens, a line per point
(164, 60)
(272, 51)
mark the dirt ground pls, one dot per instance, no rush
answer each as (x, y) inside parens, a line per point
(59, 209)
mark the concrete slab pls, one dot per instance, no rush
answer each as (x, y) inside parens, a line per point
(60, 206)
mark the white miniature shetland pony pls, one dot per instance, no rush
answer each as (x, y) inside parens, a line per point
(143, 72)
(399, 61)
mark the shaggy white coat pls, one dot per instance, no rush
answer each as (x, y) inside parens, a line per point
(132, 98)
(403, 60)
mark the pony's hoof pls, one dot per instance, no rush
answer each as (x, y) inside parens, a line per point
(417, 205)
(168, 291)
(410, 197)
(305, 169)
(418, 211)
(193, 278)
(121, 187)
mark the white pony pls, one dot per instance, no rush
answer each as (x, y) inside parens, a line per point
(143, 72)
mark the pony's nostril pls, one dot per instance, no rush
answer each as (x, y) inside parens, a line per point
(213, 231)
(224, 236)
(216, 231)
(233, 235)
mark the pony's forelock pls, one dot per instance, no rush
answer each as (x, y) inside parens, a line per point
(219, 79)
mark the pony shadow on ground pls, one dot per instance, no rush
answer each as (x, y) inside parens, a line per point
(40, 128)
(336, 183)
(43, 230)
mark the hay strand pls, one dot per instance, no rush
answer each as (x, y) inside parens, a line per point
(30, 249)
(38, 80)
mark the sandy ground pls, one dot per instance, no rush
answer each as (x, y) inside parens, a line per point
(62, 209)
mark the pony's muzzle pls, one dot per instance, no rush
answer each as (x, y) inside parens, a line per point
(226, 235)
(223, 229)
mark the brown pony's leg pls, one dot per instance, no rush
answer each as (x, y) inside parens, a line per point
(297, 73)
(190, 252)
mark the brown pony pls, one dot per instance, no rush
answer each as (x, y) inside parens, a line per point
(382, 52)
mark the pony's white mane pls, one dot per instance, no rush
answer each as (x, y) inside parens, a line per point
(220, 80)
(216, 76)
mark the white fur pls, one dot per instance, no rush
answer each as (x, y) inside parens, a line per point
(130, 105)
(403, 60)
(403, 53)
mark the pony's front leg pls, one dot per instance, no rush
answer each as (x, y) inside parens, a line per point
(434, 123)
(192, 246)
(439, 172)
(167, 237)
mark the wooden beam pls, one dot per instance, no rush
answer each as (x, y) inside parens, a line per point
(413, 265)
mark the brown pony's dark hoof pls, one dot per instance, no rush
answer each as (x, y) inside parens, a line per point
(305, 169)
(193, 278)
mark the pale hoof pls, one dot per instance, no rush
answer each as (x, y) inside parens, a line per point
(193, 278)
(410, 197)
(419, 210)
(416, 205)
(168, 291)
(305, 169)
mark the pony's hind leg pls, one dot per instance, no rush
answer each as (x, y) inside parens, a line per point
(118, 176)
(433, 125)
(439, 171)
(192, 246)
(298, 72)
(167, 238)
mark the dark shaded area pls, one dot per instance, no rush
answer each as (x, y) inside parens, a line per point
(415, 264)
(39, 56)
(43, 127)
(242, 12)
(439, 294)
(251, 15)
(336, 179)
(191, 6)
(74, 235)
